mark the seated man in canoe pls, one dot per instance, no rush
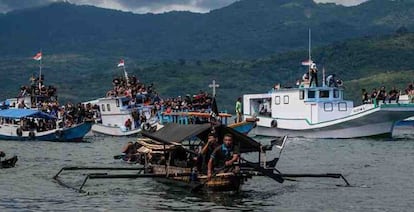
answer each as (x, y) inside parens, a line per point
(223, 157)
(206, 151)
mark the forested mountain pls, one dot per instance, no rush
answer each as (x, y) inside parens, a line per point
(243, 30)
(362, 63)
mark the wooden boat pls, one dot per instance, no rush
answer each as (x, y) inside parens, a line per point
(24, 125)
(8, 163)
(167, 156)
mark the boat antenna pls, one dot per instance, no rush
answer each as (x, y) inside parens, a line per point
(309, 50)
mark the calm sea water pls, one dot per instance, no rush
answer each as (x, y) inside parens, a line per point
(381, 172)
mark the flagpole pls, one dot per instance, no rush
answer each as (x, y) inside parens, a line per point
(126, 74)
(40, 70)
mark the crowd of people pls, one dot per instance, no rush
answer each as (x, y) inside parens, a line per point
(44, 98)
(380, 95)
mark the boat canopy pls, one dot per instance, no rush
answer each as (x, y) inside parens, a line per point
(177, 133)
(21, 113)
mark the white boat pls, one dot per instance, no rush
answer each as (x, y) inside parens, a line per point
(113, 113)
(321, 112)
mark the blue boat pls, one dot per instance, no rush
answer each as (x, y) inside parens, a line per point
(35, 125)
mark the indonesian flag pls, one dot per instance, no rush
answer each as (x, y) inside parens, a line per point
(121, 63)
(38, 56)
(307, 62)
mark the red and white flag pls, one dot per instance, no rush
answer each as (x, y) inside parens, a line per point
(121, 63)
(38, 56)
(307, 62)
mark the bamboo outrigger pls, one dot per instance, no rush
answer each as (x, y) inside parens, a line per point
(168, 155)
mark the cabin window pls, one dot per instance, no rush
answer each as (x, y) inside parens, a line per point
(342, 106)
(277, 100)
(117, 103)
(103, 107)
(328, 106)
(108, 107)
(336, 93)
(301, 94)
(311, 94)
(324, 94)
(286, 99)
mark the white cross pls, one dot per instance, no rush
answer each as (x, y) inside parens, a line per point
(214, 86)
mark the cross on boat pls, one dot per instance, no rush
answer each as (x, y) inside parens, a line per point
(214, 86)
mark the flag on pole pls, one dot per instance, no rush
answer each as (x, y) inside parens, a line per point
(38, 56)
(307, 62)
(121, 63)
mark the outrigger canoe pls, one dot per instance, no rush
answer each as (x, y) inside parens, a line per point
(167, 157)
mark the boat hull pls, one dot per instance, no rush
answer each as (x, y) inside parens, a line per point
(113, 131)
(222, 182)
(377, 122)
(72, 134)
(244, 127)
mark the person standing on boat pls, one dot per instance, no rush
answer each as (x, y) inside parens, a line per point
(238, 110)
(313, 74)
(223, 156)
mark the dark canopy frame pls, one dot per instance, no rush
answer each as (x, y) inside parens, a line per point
(177, 133)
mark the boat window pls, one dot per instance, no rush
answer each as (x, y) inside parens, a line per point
(103, 107)
(108, 107)
(301, 94)
(286, 99)
(342, 106)
(311, 94)
(117, 103)
(328, 106)
(277, 100)
(336, 93)
(324, 94)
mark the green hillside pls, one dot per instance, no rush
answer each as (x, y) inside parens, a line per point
(362, 63)
(243, 30)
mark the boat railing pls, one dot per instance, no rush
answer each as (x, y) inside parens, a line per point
(186, 117)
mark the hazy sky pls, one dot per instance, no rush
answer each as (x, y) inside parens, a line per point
(144, 6)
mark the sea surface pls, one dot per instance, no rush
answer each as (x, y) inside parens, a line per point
(381, 172)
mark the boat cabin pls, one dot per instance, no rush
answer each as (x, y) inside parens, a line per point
(114, 111)
(315, 104)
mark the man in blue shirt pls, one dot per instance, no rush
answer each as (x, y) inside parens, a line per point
(224, 155)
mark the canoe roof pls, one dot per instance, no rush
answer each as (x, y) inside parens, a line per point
(178, 133)
(21, 113)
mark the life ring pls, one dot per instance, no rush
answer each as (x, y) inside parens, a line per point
(32, 135)
(145, 127)
(59, 133)
(19, 132)
(273, 123)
